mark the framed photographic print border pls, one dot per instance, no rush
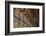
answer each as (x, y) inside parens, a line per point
(7, 17)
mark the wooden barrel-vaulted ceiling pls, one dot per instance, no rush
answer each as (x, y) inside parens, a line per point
(28, 16)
